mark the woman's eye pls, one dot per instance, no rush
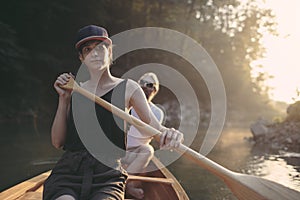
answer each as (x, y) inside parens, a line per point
(87, 49)
(99, 47)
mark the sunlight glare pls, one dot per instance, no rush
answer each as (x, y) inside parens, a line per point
(281, 59)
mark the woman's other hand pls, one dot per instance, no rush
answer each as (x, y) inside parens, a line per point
(170, 138)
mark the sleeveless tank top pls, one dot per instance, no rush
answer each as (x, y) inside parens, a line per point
(92, 117)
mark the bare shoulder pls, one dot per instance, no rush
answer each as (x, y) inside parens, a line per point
(133, 87)
(131, 84)
(133, 90)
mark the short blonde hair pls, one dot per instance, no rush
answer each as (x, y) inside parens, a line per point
(150, 77)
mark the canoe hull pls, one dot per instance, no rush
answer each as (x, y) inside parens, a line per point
(159, 184)
(163, 191)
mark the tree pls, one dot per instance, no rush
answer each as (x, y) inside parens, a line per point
(38, 39)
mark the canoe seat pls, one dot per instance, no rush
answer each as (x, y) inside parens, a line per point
(150, 179)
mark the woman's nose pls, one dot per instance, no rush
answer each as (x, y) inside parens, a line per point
(95, 52)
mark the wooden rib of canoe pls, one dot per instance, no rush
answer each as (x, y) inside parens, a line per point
(159, 184)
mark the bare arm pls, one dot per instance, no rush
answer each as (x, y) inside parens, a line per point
(59, 126)
(170, 138)
(138, 101)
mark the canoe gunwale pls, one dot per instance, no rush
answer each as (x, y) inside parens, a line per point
(33, 187)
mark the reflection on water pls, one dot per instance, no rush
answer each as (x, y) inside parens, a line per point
(283, 168)
(25, 153)
(236, 153)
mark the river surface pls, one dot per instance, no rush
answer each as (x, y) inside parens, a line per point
(26, 151)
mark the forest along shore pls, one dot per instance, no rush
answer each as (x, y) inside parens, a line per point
(280, 135)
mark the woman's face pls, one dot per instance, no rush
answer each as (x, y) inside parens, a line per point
(149, 89)
(95, 55)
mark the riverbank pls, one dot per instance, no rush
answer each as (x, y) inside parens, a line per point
(279, 135)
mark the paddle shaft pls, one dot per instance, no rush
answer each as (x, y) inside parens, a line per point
(206, 163)
(245, 187)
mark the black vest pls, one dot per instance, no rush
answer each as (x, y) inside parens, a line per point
(89, 125)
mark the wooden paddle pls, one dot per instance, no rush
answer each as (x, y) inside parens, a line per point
(244, 187)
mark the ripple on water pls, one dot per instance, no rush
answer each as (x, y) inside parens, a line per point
(282, 168)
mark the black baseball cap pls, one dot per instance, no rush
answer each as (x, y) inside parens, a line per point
(91, 32)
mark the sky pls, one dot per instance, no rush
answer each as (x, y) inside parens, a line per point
(283, 51)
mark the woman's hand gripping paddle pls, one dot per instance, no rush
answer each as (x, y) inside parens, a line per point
(244, 187)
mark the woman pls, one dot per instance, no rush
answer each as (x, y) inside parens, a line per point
(78, 175)
(139, 150)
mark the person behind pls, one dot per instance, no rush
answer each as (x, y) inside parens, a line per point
(139, 151)
(78, 174)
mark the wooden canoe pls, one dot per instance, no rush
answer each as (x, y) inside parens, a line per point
(159, 184)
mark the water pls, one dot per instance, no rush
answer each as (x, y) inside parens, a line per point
(236, 153)
(26, 151)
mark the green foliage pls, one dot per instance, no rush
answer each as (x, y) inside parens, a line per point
(37, 43)
(11, 59)
(293, 112)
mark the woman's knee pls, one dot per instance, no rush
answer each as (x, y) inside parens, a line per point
(148, 150)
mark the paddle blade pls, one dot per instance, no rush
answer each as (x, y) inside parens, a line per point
(247, 187)
(71, 85)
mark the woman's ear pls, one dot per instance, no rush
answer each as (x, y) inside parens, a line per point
(80, 57)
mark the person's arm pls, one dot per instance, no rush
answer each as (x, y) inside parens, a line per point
(59, 126)
(138, 101)
(170, 138)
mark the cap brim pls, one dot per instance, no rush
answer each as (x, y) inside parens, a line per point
(104, 39)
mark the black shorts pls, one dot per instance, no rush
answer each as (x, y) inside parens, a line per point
(82, 176)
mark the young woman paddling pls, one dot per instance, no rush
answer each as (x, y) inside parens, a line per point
(78, 174)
